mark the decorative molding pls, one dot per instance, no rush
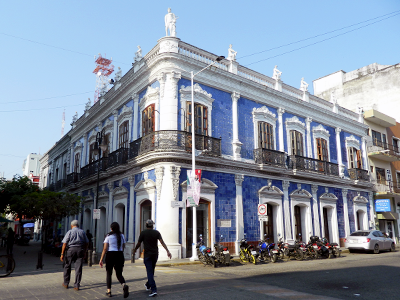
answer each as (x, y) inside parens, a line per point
(338, 130)
(175, 172)
(314, 188)
(329, 197)
(159, 178)
(239, 179)
(120, 192)
(300, 194)
(110, 186)
(78, 146)
(235, 96)
(126, 114)
(263, 114)
(92, 137)
(131, 179)
(360, 199)
(351, 141)
(295, 124)
(320, 132)
(270, 191)
(285, 184)
(151, 96)
(344, 193)
(281, 111)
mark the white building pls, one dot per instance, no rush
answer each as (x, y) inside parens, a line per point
(31, 165)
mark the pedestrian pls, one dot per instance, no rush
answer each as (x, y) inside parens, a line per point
(10, 241)
(90, 237)
(75, 242)
(114, 245)
(150, 237)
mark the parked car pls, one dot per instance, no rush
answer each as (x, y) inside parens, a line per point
(369, 240)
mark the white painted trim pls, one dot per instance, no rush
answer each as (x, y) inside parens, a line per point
(263, 114)
(320, 132)
(295, 124)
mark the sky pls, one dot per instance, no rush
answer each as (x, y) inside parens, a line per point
(47, 50)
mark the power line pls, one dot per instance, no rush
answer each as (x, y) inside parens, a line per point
(47, 98)
(309, 45)
(56, 47)
(6, 111)
(315, 36)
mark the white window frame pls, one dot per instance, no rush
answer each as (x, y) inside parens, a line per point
(125, 115)
(319, 132)
(152, 96)
(295, 124)
(263, 114)
(352, 142)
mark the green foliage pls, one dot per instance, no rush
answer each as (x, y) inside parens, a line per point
(24, 199)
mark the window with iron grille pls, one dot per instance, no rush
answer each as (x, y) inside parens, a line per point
(354, 156)
(148, 120)
(322, 149)
(124, 135)
(265, 136)
(200, 118)
(296, 142)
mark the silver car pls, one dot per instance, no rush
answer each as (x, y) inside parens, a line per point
(369, 240)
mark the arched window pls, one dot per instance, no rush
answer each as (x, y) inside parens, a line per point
(148, 120)
(200, 118)
(355, 160)
(296, 139)
(123, 135)
(77, 168)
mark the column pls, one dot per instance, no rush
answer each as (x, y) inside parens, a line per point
(115, 133)
(110, 186)
(339, 152)
(364, 152)
(371, 210)
(308, 127)
(286, 210)
(84, 151)
(281, 111)
(239, 211)
(135, 115)
(345, 213)
(169, 105)
(130, 243)
(236, 144)
(317, 226)
(71, 159)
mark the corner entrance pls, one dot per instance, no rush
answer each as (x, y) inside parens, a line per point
(203, 225)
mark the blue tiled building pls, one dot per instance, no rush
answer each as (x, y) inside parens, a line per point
(257, 140)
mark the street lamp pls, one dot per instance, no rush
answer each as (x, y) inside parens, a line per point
(194, 243)
(99, 145)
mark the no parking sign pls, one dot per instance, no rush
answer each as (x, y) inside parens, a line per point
(262, 212)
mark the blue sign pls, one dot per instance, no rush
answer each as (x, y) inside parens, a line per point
(382, 205)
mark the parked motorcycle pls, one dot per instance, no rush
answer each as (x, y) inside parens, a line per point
(293, 249)
(204, 253)
(222, 255)
(319, 247)
(247, 252)
(279, 251)
(333, 247)
(265, 251)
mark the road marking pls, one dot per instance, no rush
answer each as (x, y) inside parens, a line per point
(281, 292)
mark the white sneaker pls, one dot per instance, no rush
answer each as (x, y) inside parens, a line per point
(147, 289)
(152, 294)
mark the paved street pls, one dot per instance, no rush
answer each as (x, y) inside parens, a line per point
(360, 276)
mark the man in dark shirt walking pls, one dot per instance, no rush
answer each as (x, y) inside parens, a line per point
(150, 238)
(75, 243)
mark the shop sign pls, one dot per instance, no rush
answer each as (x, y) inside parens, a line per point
(382, 205)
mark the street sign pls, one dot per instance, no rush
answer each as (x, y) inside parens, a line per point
(96, 213)
(263, 218)
(262, 209)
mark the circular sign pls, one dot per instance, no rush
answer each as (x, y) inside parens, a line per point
(262, 209)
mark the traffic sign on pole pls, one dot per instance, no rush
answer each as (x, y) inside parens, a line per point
(262, 209)
(96, 213)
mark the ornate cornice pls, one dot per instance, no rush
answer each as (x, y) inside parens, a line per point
(263, 114)
(151, 96)
(294, 123)
(351, 141)
(159, 178)
(199, 94)
(239, 179)
(320, 131)
(126, 113)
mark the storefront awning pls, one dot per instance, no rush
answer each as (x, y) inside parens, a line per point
(388, 216)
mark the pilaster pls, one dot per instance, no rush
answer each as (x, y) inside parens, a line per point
(308, 125)
(345, 212)
(110, 186)
(286, 210)
(169, 103)
(130, 238)
(317, 226)
(135, 97)
(281, 111)
(236, 144)
(84, 151)
(115, 135)
(371, 209)
(239, 211)
(339, 151)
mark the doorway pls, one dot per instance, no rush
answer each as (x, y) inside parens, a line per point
(269, 225)
(203, 225)
(145, 214)
(120, 216)
(297, 223)
(326, 224)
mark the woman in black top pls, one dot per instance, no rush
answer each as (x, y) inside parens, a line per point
(115, 244)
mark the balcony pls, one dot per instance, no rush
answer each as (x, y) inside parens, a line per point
(158, 141)
(173, 140)
(383, 187)
(60, 184)
(383, 151)
(313, 165)
(358, 174)
(270, 157)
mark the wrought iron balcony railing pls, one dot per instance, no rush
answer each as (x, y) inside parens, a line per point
(358, 174)
(52, 187)
(118, 157)
(174, 140)
(313, 165)
(92, 168)
(384, 147)
(72, 178)
(270, 157)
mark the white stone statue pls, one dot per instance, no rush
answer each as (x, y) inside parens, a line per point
(138, 54)
(75, 117)
(333, 97)
(170, 20)
(277, 74)
(303, 85)
(118, 74)
(88, 105)
(231, 53)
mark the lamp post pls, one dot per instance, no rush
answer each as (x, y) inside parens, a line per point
(194, 243)
(98, 146)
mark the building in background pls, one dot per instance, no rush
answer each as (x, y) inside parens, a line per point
(260, 142)
(31, 165)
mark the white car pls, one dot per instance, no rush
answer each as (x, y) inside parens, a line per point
(369, 240)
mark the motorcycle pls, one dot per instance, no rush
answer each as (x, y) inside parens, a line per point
(247, 253)
(333, 247)
(293, 249)
(319, 247)
(222, 254)
(279, 251)
(265, 251)
(204, 253)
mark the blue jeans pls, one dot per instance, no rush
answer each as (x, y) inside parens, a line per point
(150, 263)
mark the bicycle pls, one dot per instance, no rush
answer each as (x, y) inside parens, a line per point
(7, 265)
